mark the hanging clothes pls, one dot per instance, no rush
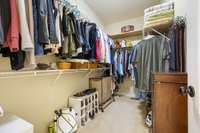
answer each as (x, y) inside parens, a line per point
(177, 37)
(27, 42)
(30, 54)
(1, 34)
(38, 46)
(121, 59)
(51, 23)
(69, 46)
(153, 55)
(43, 34)
(40, 27)
(5, 15)
(92, 41)
(98, 46)
(26, 31)
(12, 38)
(57, 16)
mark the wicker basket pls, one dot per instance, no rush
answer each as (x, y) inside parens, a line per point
(79, 65)
(92, 65)
(64, 65)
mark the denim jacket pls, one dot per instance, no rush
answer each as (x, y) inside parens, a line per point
(52, 23)
(42, 23)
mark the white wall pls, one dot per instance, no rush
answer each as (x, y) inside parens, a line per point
(192, 10)
(164, 1)
(87, 12)
(115, 28)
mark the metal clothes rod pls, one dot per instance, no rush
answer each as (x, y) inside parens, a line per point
(160, 33)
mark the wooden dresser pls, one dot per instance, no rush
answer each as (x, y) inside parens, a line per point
(169, 103)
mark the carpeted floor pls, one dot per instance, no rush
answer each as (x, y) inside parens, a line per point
(122, 116)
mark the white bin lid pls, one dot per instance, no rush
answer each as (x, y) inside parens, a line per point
(13, 124)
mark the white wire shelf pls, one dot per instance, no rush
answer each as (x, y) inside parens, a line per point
(35, 73)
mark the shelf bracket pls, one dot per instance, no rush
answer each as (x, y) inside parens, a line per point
(35, 74)
(58, 77)
(89, 73)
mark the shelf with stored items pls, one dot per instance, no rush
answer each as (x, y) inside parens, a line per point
(137, 33)
(35, 73)
(161, 27)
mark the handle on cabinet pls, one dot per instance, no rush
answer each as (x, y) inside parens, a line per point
(183, 91)
(191, 91)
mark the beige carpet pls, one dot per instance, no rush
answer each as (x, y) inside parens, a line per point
(122, 116)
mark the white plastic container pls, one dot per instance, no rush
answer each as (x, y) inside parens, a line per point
(13, 124)
(85, 106)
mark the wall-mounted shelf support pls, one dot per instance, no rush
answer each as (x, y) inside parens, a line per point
(59, 73)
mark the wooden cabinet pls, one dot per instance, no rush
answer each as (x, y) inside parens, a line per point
(104, 88)
(169, 103)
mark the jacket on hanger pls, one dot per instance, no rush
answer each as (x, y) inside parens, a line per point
(43, 35)
(51, 23)
(69, 46)
(1, 34)
(30, 54)
(12, 38)
(57, 16)
(5, 14)
(38, 46)
(27, 42)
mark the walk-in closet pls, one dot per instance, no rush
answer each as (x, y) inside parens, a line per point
(99, 66)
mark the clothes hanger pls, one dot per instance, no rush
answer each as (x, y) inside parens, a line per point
(147, 35)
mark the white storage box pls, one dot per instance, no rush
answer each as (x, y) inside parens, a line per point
(13, 124)
(85, 106)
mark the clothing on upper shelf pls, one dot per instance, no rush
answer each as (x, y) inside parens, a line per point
(84, 40)
(159, 14)
(47, 26)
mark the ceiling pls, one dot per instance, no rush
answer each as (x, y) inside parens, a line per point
(111, 11)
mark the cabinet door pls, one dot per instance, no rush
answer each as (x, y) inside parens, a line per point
(169, 108)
